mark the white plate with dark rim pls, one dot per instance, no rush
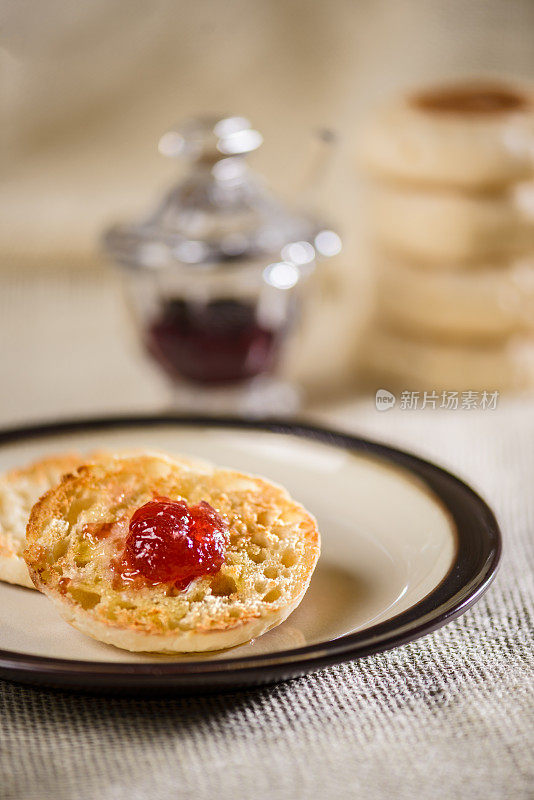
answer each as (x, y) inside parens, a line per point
(406, 547)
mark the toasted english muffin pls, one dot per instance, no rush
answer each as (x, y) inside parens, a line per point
(273, 546)
(492, 302)
(19, 490)
(426, 364)
(471, 134)
(437, 226)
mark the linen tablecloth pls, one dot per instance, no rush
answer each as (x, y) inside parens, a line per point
(448, 716)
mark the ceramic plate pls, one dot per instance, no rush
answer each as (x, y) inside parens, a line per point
(406, 547)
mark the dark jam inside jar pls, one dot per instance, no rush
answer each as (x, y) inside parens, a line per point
(214, 343)
(173, 543)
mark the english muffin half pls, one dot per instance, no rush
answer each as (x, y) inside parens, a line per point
(473, 134)
(83, 539)
(19, 490)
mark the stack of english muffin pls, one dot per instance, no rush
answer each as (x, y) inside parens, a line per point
(452, 217)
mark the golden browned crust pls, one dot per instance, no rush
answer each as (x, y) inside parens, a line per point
(45, 469)
(19, 490)
(274, 546)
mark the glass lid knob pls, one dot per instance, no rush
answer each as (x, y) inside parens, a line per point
(210, 138)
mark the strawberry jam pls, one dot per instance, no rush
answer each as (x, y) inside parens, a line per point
(171, 542)
(94, 531)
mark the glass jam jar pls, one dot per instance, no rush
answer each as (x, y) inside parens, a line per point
(213, 274)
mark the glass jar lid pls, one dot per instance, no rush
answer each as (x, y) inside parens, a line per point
(220, 212)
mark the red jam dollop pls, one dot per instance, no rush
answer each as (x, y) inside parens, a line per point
(171, 542)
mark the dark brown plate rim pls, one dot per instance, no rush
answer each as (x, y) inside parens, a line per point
(477, 557)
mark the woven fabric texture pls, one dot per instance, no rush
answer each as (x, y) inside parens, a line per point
(448, 716)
